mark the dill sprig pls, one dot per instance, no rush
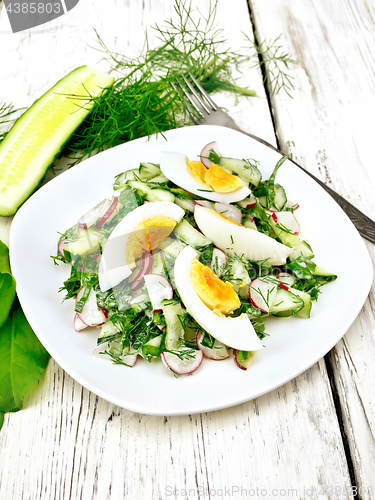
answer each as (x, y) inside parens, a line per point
(275, 63)
(141, 101)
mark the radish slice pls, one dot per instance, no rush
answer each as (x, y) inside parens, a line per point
(185, 204)
(262, 292)
(110, 210)
(204, 203)
(136, 279)
(206, 151)
(62, 243)
(218, 352)
(218, 262)
(243, 358)
(129, 359)
(91, 315)
(250, 222)
(94, 214)
(78, 324)
(286, 280)
(138, 299)
(287, 220)
(184, 366)
(158, 288)
(291, 204)
(249, 202)
(229, 211)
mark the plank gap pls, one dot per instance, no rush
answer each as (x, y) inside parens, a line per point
(263, 71)
(339, 414)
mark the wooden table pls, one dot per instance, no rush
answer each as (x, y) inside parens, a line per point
(311, 438)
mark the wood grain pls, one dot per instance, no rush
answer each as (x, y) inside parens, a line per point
(69, 444)
(328, 128)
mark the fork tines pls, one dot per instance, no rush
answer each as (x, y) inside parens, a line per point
(198, 107)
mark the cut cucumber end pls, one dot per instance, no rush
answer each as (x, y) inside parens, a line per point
(35, 139)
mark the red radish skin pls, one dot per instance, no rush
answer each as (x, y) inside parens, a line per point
(93, 215)
(206, 151)
(284, 286)
(137, 278)
(204, 203)
(182, 367)
(288, 220)
(266, 288)
(108, 213)
(246, 364)
(286, 279)
(78, 324)
(91, 315)
(215, 354)
(62, 243)
(236, 360)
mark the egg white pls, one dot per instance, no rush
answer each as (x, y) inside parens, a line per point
(173, 166)
(240, 240)
(113, 267)
(237, 332)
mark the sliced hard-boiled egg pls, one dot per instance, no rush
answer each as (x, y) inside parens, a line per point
(218, 296)
(142, 230)
(234, 332)
(191, 176)
(234, 239)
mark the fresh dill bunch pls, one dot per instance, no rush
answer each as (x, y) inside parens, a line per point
(142, 102)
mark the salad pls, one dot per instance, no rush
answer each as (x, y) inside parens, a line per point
(187, 260)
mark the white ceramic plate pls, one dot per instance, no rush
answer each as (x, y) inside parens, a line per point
(293, 344)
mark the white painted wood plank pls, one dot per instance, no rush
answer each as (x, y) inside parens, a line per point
(328, 128)
(74, 445)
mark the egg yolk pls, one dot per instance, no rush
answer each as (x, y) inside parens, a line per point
(214, 293)
(147, 235)
(221, 181)
(215, 178)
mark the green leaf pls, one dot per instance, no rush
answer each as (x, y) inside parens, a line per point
(1, 419)
(23, 360)
(4, 258)
(7, 284)
(7, 294)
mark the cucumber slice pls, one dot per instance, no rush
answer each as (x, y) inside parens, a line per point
(173, 314)
(244, 169)
(280, 197)
(39, 134)
(307, 302)
(152, 194)
(148, 170)
(286, 303)
(320, 271)
(189, 235)
(122, 179)
(88, 243)
(171, 247)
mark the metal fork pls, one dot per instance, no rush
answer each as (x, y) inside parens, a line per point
(203, 110)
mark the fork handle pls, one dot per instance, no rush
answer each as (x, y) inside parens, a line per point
(364, 225)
